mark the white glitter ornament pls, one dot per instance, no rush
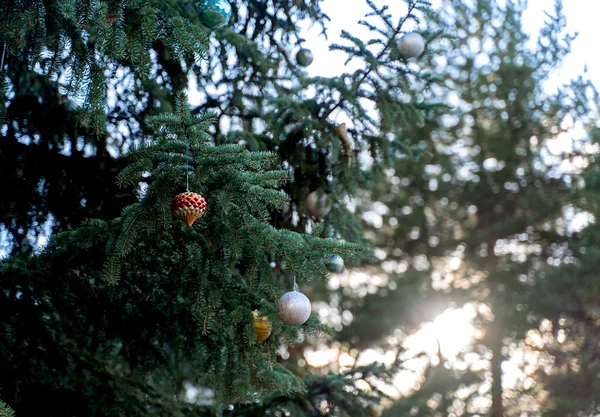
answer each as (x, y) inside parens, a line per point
(411, 45)
(293, 308)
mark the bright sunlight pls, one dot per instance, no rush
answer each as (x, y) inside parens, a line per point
(453, 330)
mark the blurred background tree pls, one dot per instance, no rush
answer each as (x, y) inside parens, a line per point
(481, 245)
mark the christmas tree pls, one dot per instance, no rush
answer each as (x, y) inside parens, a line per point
(127, 310)
(182, 230)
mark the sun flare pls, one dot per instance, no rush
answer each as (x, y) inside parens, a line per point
(453, 330)
(450, 333)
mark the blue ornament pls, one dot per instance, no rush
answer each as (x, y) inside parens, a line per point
(304, 57)
(214, 13)
(335, 264)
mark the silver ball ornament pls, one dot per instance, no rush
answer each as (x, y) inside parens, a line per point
(293, 308)
(304, 57)
(411, 45)
(335, 264)
(318, 204)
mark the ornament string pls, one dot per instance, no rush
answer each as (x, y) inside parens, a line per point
(330, 228)
(296, 287)
(4, 45)
(262, 273)
(260, 281)
(3, 54)
(187, 164)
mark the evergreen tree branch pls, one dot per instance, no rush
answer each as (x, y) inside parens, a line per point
(375, 60)
(5, 410)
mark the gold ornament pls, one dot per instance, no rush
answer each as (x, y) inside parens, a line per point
(262, 326)
(375, 410)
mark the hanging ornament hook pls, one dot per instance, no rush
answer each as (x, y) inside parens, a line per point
(4, 45)
(262, 273)
(3, 53)
(260, 281)
(330, 228)
(187, 165)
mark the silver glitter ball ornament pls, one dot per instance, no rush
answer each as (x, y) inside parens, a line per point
(411, 45)
(293, 308)
(335, 264)
(318, 204)
(304, 57)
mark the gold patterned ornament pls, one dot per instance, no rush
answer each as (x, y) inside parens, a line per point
(262, 326)
(188, 207)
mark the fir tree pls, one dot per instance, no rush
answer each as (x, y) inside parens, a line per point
(248, 77)
(182, 296)
(131, 311)
(5, 410)
(61, 59)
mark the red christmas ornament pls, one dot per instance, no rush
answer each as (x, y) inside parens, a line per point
(188, 207)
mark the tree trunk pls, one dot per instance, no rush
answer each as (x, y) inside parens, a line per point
(497, 358)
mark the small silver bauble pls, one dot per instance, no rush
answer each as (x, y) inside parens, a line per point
(411, 45)
(304, 57)
(335, 264)
(293, 308)
(318, 204)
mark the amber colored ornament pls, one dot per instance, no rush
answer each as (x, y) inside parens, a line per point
(262, 325)
(375, 410)
(188, 207)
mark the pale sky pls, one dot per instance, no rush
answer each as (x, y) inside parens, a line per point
(581, 17)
